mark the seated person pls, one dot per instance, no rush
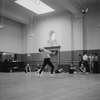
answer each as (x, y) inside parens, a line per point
(27, 68)
(72, 69)
(82, 68)
(37, 69)
(59, 70)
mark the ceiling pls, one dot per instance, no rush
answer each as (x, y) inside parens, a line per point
(23, 15)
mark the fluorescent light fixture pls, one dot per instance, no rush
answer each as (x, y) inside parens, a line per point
(36, 6)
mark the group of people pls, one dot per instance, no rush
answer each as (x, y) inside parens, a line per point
(88, 64)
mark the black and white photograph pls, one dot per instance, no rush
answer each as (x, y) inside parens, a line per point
(49, 50)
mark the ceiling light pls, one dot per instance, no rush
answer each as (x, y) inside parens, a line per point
(36, 6)
(2, 15)
(85, 10)
(34, 0)
(1, 26)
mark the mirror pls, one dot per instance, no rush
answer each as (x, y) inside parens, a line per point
(52, 36)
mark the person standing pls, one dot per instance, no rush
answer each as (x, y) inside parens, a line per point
(91, 62)
(86, 63)
(46, 54)
(96, 69)
(80, 60)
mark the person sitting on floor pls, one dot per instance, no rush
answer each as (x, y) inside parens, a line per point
(59, 70)
(72, 69)
(37, 69)
(27, 68)
(82, 68)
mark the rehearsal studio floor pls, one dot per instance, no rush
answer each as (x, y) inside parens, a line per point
(64, 86)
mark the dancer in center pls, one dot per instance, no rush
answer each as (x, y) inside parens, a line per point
(46, 54)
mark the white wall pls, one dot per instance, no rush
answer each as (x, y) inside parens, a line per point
(91, 30)
(11, 37)
(15, 37)
(59, 22)
(24, 39)
(78, 33)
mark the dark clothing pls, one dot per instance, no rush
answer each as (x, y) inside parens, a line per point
(80, 59)
(47, 61)
(86, 65)
(80, 62)
(57, 71)
(71, 70)
(96, 69)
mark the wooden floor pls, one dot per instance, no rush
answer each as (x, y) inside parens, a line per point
(24, 86)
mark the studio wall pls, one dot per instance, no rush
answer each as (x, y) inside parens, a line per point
(78, 33)
(69, 32)
(73, 35)
(91, 30)
(59, 22)
(11, 37)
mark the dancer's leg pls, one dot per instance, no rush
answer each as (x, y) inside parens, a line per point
(44, 64)
(51, 65)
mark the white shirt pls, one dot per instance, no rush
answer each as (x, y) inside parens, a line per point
(85, 57)
(96, 58)
(91, 58)
(46, 53)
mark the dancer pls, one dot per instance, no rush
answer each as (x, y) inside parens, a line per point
(72, 69)
(91, 62)
(80, 60)
(27, 68)
(82, 69)
(96, 68)
(46, 54)
(85, 63)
